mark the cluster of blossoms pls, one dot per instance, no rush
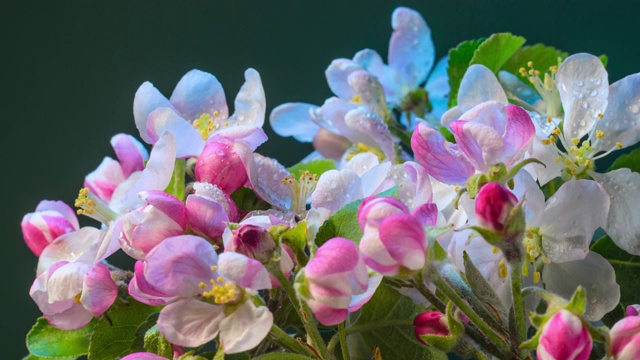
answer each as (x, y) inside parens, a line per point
(465, 189)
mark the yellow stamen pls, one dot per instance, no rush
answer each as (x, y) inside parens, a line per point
(575, 141)
(536, 277)
(599, 134)
(502, 269)
(619, 145)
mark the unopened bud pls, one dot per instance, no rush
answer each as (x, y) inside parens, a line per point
(625, 338)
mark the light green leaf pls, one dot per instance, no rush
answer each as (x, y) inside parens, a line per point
(296, 239)
(540, 55)
(483, 290)
(394, 341)
(113, 334)
(626, 266)
(46, 341)
(630, 161)
(496, 50)
(344, 222)
(605, 59)
(459, 59)
(317, 167)
(177, 184)
(155, 343)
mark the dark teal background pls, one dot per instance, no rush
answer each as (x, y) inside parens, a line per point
(69, 71)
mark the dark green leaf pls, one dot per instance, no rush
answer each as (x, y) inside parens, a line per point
(137, 345)
(395, 341)
(281, 356)
(247, 200)
(630, 161)
(459, 59)
(483, 290)
(344, 222)
(542, 57)
(46, 341)
(155, 343)
(614, 315)
(113, 334)
(317, 167)
(496, 50)
(626, 266)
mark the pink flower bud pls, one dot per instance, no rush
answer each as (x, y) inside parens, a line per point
(430, 323)
(330, 280)
(253, 241)
(633, 310)
(373, 210)
(625, 338)
(209, 209)
(220, 165)
(164, 216)
(564, 337)
(493, 205)
(50, 220)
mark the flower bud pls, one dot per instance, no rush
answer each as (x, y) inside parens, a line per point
(253, 241)
(330, 145)
(564, 337)
(439, 330)
(220, 165)
(430, 323)
(208, 210)
(493, 206)
(50, 220)
(373, 210)
(633, 310)
(142, 229)
(625, 338)
(330, 280)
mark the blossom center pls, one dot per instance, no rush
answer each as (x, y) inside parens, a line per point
(207, 125)
(533, 248)
(300, 189)
(546, 86)
(90, 205)
(360, 148)
(221, 291)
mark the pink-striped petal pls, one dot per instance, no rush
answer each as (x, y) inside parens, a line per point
(130, 152)
(99, 290)
(243, 271)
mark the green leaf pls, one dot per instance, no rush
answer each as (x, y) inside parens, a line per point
(626, 266)
(630, 161)
(247, 200)
(155, 343)
(542, 57)
(483, 290)
(605, 59)
(296, 239)
(114, 334)
(281, 356)
(46, 341)
(137, 345)
(496, 50)
(317, 167)
(395, 341)
(176, 185)
(344, 222)
(459, 59)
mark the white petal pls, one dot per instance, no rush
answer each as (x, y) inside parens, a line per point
(294, 119)
(188, 141)
(547, 155)
(66, 282)
(81, 245)
(571, 217)
(478, 85)
(190, 322)
(526, 189)
(361, 163)
(336, 189)
(595, 274)
(250, 104)
(583, 84)
(623, 222)
(245, 328)
(517, 88)
(621, 121)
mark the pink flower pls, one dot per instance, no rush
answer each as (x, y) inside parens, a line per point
(50, 220)
(208, 210)
(564, 337)
(71, 294)
(163, 216)
(430, 323)
(625, 338)
(220, 165)
(493, 205)
(330, 280)
(633, 310)
(394, 240)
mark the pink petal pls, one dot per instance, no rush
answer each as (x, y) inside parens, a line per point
(243, 271)
(99, 290)
(337, 255)
(141, 290)
(130, 152)
(405, 240)
(61, 208)
(104, 180)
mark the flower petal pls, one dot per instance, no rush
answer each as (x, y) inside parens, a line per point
(104, 179)
(245, 328)
(81, 245)
(411, 50)
(571, 217)
(188, 141)
(265, 176)
(441, 159)
(60, 207)
(244, 271)
(367, 122)
(294, 119)
(583, 84)
(595, 274)
(99, 290)
(478, 85)
(130, 152)
(147, 99)
(623, 222)
(404, 238)
(336, 189)
(621, 120)
(190, 322)
(250, 104)
(198, 93)
(337, 74)
(337, 255)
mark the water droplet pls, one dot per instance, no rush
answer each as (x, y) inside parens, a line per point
(598, 82)
(634, 109)
(582, 123)
(580, 83)
(593, 93)
(584, 104)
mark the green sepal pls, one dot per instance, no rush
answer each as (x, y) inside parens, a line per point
(532, 343)
(456, 329)
(578, 301)
(474, 184)
(302, 285)
(517, 167)
(296, 239)
(417, 102)
(497, 173)
(492, 237)
(447, 134)
(437, 253)
(176, 186)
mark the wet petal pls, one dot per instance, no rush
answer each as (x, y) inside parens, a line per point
(621, 121)
(478, 85)
(147, 99)
(517, 89)
(595, 274)
(571, 217)
(198, 93)
(623, 222)
(250, 104)
(265, 176)
(337, 74)
(188, 141)
(411, 50)
(294, 119)
(583, 84)
(367, 122)
(336, 189)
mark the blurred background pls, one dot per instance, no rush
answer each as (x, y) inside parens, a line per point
(70, 70)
